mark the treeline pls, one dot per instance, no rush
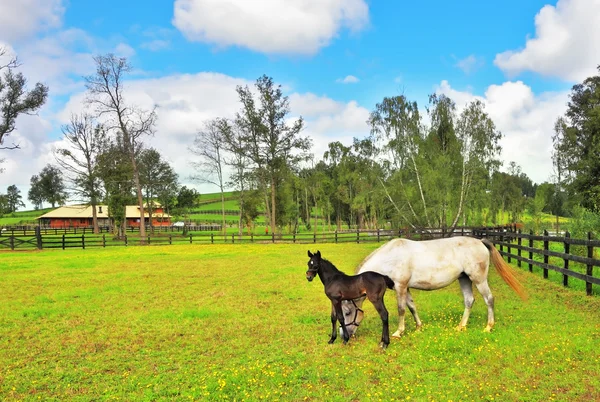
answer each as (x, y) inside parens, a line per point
(403, 173)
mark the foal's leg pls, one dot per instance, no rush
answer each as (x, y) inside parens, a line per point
(401, 292)
(377, 301)
(413, 309)
(333, 321)
(485, 291)
(466, 285)
(340, 317)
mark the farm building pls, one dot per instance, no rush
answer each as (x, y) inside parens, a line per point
(76, 216)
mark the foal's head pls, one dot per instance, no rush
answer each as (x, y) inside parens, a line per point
(313, 265)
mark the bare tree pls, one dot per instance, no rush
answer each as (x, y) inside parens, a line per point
(78, 160)
(106, 93)
(209, 146)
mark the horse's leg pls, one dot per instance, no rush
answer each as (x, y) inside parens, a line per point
(413, 309)
(485, 291)
(383, 313)
(340, 317)
(333, 321)
(401, 292)
(466, 285)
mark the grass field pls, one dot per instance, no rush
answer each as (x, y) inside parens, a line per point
(240, 322)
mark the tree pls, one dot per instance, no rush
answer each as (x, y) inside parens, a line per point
(115, 173)
(13, 198)
(35, 192)
(209, 146)
(274, 143)
(14, 98)
(577, 142)
(133, 124)
(158, 179)
(186, 199)
(48, 186)
(79, 159)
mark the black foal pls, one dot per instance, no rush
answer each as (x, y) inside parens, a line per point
(339, 286)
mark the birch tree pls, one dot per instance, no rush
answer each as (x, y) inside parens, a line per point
(209, 147)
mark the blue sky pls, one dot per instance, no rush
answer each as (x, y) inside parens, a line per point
(335, 59)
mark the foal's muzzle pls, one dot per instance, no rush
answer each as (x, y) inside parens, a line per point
(310, 276)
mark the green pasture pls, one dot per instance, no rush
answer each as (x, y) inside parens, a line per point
(240, 322)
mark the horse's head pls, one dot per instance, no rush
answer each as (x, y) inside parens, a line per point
(353, 314)
(313, 265)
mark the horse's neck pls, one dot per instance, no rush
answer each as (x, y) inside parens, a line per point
(327, 271)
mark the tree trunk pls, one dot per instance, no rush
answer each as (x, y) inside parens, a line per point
(223, 208)
(140, 198)
(94, 217)
(273, 204)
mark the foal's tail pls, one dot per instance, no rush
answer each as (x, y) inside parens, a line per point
(389, 282)
(505, 270)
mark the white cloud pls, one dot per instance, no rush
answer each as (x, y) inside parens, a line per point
(269, 26)
(19, 19)
(124, 50)
(525, 119)
(470, 64)
(566, 42)
(349, 79)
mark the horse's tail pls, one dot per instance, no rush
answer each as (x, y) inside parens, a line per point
(505, 270)
(388, 282)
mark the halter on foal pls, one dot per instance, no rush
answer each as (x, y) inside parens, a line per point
(339, 286)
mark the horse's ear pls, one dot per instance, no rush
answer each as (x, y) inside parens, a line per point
(318, 254)
(310, 254)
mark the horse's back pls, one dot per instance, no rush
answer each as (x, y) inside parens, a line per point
(428, 264)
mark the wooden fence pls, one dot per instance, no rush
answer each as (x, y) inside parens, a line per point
(39, 238)
(575, 258)
(521, 247)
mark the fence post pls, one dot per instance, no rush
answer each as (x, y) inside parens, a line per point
(357, 236)
(12, 242)
(294, 237)
(126, 239)
(212, 238)
(273, 236)
(232, 238)
(501, 240)
(519, 242)
(566, 263)
(589, 270)
(509, 248)
(252, 237)
(104, 241)
(314, 237)
(63, 241)
(378, 235)
(545, 253)
(530, 252)
(83, 241)
(170, 239)
(336, 237)
(38, 237)
(148, 239)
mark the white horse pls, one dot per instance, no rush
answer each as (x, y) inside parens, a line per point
(430, 265)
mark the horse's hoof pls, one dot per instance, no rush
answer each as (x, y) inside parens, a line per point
(331, 341)
(383, 345)
(397, 334)
(461, 328)
(488, 329)
(419, 327)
